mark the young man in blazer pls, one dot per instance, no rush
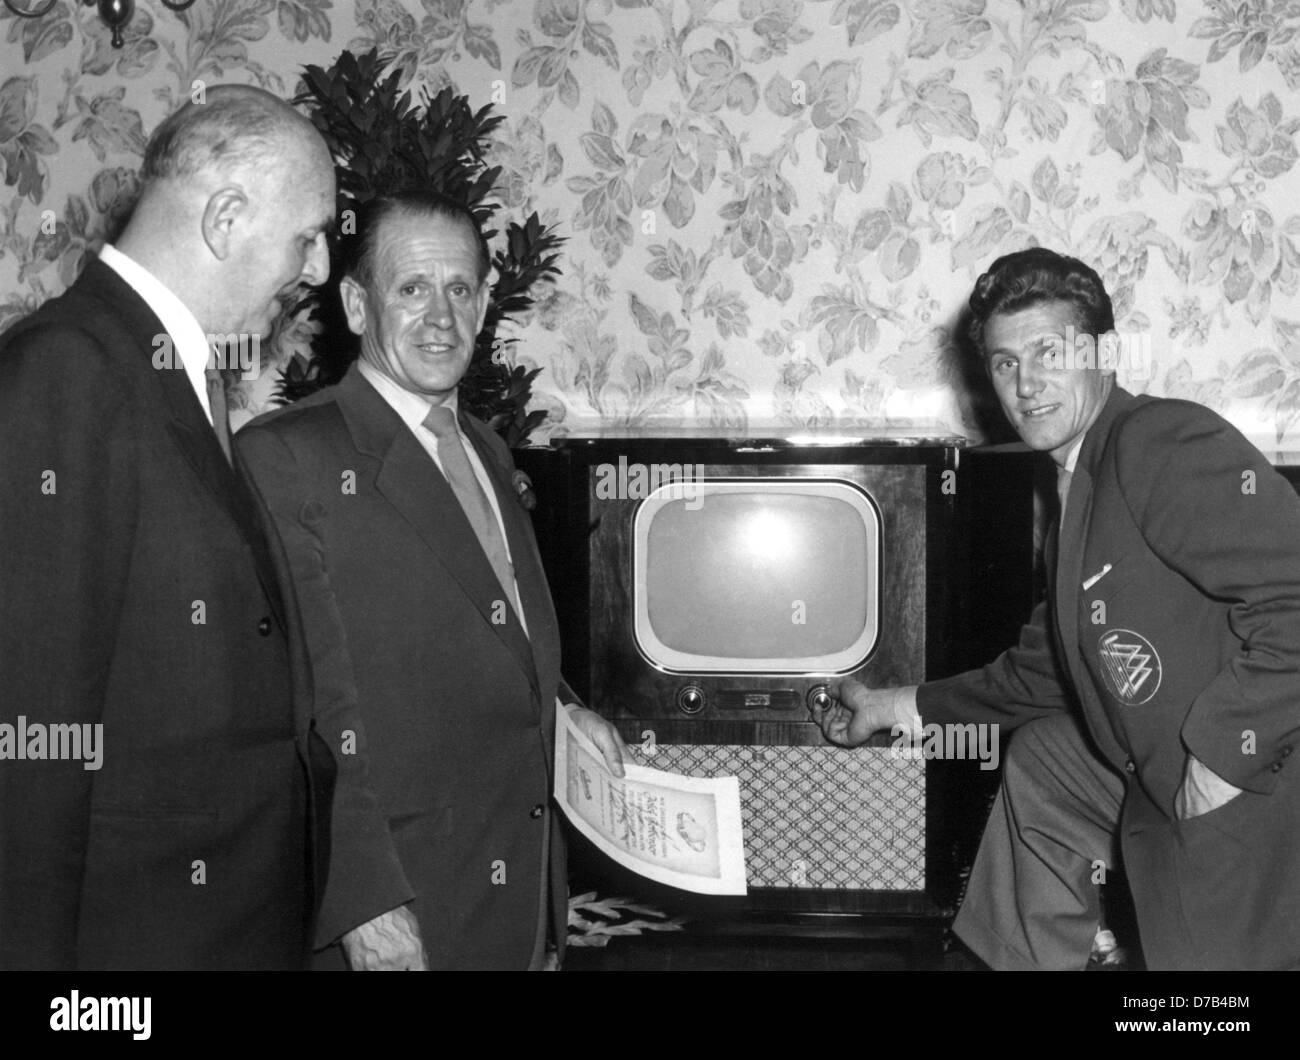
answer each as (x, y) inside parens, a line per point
(140, 611)
(1158, 686)
(433, 638)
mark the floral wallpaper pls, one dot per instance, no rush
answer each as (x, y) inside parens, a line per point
(775, 208)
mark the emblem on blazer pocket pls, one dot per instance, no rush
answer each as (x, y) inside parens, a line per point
(1130, 666)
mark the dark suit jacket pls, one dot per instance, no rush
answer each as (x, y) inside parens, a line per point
(140, 593)
(1186, 640)
(441, 706)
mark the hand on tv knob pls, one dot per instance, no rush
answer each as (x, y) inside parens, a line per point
(854, 712)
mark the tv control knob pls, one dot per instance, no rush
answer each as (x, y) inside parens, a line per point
(690, 700)
(819, 698)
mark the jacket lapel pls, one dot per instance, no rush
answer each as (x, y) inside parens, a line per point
(410, 482)
(1074, 534)
(1069, 562)
(1074, 530)
(534, 594)
(187, 425)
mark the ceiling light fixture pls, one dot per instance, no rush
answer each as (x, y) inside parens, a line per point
(115, 14)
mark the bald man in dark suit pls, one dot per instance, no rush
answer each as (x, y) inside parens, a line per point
(140, 601)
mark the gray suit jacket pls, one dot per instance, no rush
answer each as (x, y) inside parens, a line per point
(441, 708)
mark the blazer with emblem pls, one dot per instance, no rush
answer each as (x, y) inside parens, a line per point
(1174, 625)
(442, 707)
(140, 593)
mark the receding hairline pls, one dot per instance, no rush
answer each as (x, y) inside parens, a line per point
(234, 128)
(363, 270)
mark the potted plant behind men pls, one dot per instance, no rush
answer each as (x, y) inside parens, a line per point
(385, 140)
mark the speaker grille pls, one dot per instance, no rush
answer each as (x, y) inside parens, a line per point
(822, 818)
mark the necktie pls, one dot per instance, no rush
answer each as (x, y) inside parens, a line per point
(464, 483)
(1062, 488)
(217, 403)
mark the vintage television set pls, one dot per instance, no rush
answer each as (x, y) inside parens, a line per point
(709, 589)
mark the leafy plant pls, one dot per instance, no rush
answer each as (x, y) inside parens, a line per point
(385, 140)
(593, 921)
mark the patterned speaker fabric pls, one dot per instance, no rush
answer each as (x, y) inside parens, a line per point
(818, 817)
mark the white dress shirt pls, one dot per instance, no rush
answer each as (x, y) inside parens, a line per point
(189, 342)
(1072, 457)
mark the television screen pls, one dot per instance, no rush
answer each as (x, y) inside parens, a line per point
(757, 575)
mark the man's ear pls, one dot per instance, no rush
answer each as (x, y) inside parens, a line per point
(224, 207)
(484, 296)
(354, 304)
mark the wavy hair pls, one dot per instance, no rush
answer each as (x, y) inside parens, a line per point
(1034, 276)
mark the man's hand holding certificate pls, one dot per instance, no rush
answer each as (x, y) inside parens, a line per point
(682, 831)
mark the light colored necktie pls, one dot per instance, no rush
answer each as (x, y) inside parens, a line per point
(217, 403)
(1063, 488)
(465, 484)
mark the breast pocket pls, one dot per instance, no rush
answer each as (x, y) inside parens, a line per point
(1120, 631)
(1103, 584)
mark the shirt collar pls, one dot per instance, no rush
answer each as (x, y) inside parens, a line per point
(1072, 457)
(188, 339)
(412, 408)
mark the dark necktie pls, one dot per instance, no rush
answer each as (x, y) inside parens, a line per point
(217, 403)
(1062, 489)
(465, 484)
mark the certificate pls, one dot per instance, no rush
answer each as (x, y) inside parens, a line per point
(682, 831)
